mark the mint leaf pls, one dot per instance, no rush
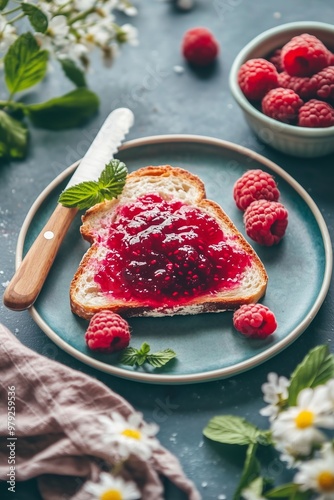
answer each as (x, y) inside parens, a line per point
(25, 63)
(250, 471)
(36, 16)
(316, 368)
(82, 196)
(86, 194)
(129, 356)
(160, 358)
(67, 111)
(13, 137)
(73, 73)
(132, 356)
(112, 179)
(229, 429)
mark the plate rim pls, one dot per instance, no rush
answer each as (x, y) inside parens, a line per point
(211, 375)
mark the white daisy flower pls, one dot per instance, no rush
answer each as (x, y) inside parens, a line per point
(296, 429)
(130, 436)
(276, 394)
(112, 488)
(318, 475)
(7, 34)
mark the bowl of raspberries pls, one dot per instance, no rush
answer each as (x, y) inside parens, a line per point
(283, 81)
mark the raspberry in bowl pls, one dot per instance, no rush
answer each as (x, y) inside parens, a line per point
(301, 54)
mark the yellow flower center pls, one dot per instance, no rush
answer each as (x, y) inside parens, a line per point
(132, 433)
(111, 495)
(304, 419)
(326, 481)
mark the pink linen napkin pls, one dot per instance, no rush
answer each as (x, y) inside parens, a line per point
(57, 429)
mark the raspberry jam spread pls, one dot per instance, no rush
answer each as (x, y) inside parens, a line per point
(166, 252)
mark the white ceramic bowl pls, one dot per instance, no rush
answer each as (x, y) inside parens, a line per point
(290, 139)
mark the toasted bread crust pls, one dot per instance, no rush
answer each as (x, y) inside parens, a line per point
(203, 304)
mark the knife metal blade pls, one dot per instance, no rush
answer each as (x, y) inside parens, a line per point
(30, 276)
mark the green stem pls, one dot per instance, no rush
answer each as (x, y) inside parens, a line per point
(82, 15)
(11, 10)
(20, 16)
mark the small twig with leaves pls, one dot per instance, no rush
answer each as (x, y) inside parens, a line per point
(137, 357)
(86, 194)
(300, 411)
(66, 32)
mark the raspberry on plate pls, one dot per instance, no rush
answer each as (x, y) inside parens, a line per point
(199, 46)
(304, 86)
(107, 332)
(305, 55)
(254, 320)
(256, 77)
(266, 222)
(324, 83)
(282, 105)
(254, 185)
(316, 114)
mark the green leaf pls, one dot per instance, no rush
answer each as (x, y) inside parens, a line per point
(316, 368)
(3, 4)
(160, 358)
(129, 356)
(67, 111)
(25, 63)
(83, 195)
(251, 471)
(283, 491)
(88, 193)
(37, 18)
(112, 179)
(132, 356)
(13, 137)
(73, 73)
(229, 429)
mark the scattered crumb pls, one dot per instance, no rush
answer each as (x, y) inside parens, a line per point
(277, 15)
(5, 284)
(221, 497)
(204, 484)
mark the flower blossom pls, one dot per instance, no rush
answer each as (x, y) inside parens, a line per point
(276, 394)
(110, 487)
(318, 474)
(297, 429)
(130, 436)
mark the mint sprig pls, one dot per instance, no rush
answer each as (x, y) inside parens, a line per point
(86, 194)
(132, 356)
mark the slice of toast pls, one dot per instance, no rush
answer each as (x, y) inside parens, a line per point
(162, 248)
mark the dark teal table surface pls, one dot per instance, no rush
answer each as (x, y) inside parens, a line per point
(167, 102)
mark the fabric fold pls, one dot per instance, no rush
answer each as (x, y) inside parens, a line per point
(57, 428)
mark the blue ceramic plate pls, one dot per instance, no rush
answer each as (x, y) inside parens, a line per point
(207, 346)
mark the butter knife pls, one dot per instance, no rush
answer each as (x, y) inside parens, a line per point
(27, 282)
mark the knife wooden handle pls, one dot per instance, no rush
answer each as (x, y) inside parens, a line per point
(29, 278)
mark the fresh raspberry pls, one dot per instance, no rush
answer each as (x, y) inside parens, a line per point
(324, 83)
(254, 185)
(276, 59)
(107, 332)
(256, 77)
(254, 320)
(317, 114)
(266, 222)
(304, 55)
(304, 86)
(282, 105)
(199, 46)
